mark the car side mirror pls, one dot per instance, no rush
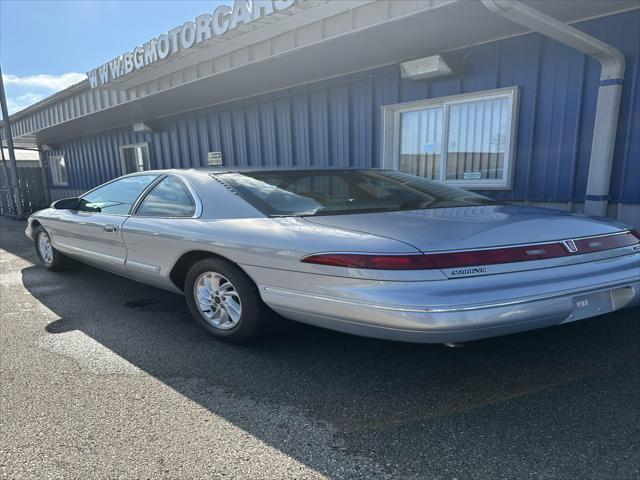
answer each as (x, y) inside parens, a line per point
(66, 204)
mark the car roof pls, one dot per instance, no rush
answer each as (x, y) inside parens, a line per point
(221, 170)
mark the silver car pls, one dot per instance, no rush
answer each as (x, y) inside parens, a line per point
(369, 252)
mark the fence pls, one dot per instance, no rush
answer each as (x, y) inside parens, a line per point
(32, 192)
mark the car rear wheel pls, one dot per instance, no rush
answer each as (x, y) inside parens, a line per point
(48, 255)
(223, 300)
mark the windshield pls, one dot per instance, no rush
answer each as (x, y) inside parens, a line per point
(335, 192)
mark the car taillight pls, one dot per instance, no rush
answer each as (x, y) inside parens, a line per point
(371, 261)
(437, 260)
(491, 256)
(498, 255)
(598, 244)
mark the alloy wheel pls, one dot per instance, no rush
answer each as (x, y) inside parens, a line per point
(218, 300)
(45, 249)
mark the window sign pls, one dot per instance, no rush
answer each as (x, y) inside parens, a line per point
(472, 175)
(214, 159)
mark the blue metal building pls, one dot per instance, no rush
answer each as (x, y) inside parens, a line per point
(514, 118)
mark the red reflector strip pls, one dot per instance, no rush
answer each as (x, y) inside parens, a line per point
(373, 262)
(472, 258)
(531, 252)
(498, 255)
(597, 244)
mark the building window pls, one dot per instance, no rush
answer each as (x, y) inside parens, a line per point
(465, 140)
(58, 171)
(135, 158)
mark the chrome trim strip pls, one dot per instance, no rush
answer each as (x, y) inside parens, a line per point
(142, 267)
(90, 253)
(464, 308)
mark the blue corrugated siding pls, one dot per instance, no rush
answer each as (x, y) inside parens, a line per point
(337, 122)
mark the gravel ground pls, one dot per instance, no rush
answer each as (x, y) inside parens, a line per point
(102, 377)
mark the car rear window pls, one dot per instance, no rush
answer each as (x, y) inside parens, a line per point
(335, 192)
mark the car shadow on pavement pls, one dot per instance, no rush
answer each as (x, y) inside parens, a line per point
(330, 400)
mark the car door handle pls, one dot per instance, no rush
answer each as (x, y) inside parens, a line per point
(110, 228)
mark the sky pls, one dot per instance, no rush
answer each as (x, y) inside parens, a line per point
(46, 46)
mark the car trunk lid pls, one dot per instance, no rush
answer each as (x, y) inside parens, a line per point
(495, 228)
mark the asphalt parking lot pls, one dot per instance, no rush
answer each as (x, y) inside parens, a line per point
(102, 377)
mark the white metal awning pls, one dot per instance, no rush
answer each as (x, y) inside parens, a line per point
(318, 40)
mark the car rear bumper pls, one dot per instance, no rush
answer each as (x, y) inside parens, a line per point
(455, 324)
(511, 302)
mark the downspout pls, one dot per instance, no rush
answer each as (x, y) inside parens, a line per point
(609, 92)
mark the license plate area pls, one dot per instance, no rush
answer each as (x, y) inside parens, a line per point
(585, 306)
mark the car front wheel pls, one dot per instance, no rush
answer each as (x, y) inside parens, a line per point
(48, 255)
(223, 300)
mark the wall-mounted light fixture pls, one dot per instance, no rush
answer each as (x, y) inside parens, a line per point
(425, 68)
(142, 127)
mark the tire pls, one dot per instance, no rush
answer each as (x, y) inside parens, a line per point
(214, 289)
(48, 255)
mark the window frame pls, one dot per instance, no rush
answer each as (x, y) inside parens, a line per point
(135, 146)
(391, 124)
(194, 196)
(148, 188)
(53, 168)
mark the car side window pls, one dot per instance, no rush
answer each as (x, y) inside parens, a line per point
(169, 198)
(117, 197)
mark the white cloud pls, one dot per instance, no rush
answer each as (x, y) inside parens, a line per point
(20, 102)
(50, 82)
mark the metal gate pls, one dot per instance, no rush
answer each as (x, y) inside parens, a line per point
(31, 187)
